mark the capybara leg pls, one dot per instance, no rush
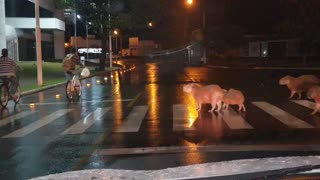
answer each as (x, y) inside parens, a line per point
(199, 107)
(292, 94)
(219, 106)
(213, 106)
(243, 107)
(224, 106)
(240, 107)
(299, 95)
(316, 109)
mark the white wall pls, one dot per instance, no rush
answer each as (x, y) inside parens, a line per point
(2, 24)
(30, 23)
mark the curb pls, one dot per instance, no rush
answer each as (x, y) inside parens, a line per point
(263, 67)
(63, 83)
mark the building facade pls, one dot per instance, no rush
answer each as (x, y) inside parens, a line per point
(18, 18)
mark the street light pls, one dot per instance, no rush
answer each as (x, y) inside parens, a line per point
(189, 2)
(150, 24)
(87, 42)
(115, 32)
(76, 16)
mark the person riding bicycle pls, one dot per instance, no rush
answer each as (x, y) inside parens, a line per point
(69, 64)
(8, 68)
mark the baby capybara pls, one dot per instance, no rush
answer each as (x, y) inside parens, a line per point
(234, 97)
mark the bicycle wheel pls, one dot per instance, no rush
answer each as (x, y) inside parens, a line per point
(16, 96)
(69, 93)
(77, 90)
(4, 95)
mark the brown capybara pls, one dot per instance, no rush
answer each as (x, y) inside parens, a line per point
(314, 93)
(210, 94)
(299, 84)
(234, 97)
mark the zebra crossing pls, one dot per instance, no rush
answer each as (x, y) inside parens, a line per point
(182, 119)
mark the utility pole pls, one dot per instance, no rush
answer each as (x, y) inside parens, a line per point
(75, 26)
(204, 31)
(38, 44)
(110, 38)
(87, 43)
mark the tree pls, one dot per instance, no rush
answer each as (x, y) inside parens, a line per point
(106, 15)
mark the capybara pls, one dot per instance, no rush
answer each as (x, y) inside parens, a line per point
(234, 97)
(210, 94)
(314, 93)
(299, 84)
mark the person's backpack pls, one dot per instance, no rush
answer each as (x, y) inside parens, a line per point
(67, 62)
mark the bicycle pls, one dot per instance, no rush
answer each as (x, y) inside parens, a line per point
(9, 90)
(73, 88)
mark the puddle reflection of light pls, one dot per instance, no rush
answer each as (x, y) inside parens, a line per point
(192, 111)
(32, 106)
(117, 96)
(153, 96)
(57, 96)
(41, 96)
(195, 156)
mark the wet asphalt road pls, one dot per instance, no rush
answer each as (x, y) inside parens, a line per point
(141, 119)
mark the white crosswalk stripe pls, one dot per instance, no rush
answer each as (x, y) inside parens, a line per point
(284, 117)
(234, 120)
(181, 119)
(15, 117)
(133, 121)
(82, 125)
(305, 103)
(38, 124)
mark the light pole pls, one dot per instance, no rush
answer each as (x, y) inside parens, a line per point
(76, 16)
(115, 32)
(189, 3)
(110, 38)
(87, 42)
(203, 31)
(38, 44)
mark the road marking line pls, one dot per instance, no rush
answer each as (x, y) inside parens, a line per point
(36, 125)
(234, 120)
(134, 100)
(305, 103)
(208, 148)
(180, 118)
(82, 125)
(14, 117)
(284, 117)
(82, 102)
(133, 120)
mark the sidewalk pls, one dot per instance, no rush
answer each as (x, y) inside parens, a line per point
(29, 85)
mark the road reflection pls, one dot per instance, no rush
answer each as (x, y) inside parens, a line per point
(152, 91)
(117, 96)
(210, 125)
